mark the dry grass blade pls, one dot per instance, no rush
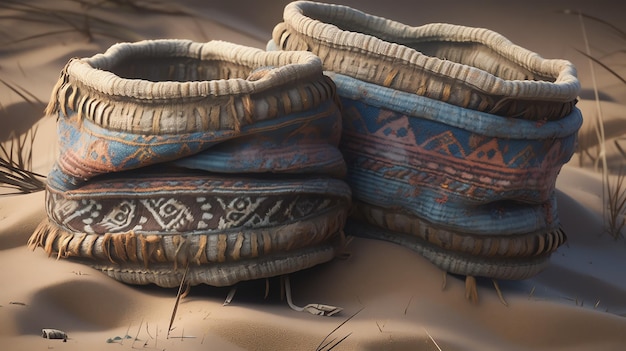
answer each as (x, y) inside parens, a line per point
(603, 65)
(47, 13)
(42, 35)
(19, 180)
(587, 145)
(67, 21)
(16, 158)
(615, 28)
(585, 142)
(137, 335)
(617, 205)
(326, 345)
(156, 7)
(619, 147)
(27, 96)
(15, 165)
(433, 340)
(330, 347)
(614, 191)
(30, 13)
(87, 18)
(178, 297)
(599, 123)
(406, 309)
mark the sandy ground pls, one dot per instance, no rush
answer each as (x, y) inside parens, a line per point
(394, 296)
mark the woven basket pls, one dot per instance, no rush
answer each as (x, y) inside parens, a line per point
(474, 68)
(453, 136)
(214, 158)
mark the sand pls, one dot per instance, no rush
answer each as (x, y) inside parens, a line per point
(392, 297)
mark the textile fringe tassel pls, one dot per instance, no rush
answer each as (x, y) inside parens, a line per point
(65, 94)
(54, 104)
(471, 289)
(116, 248)
(499, 292)
(38, 238)
(471, 292)
(528, 245)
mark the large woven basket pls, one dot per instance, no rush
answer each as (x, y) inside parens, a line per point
(453, 136)
(211, 158)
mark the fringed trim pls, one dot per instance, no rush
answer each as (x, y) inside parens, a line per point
(458, 263)
(471, 291)
(550, 84)
(55, 104)
(292, 82)
(511, 268)
(488, 246)
(179, 249)
(225, 274)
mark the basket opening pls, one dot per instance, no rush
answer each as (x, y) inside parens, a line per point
(445, 48)
(178, 69)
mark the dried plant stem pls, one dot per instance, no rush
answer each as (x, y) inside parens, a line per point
(313, 308)
(137, 335)
(599, 122)
(26, 95)
(616, 205)
(326, 345)
(178, 297)
(15, 165)
(616, 29)
(433, 340)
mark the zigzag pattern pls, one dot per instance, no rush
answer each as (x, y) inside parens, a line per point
(429, 154)
(182, 212)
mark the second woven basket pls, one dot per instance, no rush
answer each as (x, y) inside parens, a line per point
(453, 136)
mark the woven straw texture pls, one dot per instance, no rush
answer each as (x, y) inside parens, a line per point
(474, 68)
(213, 158)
